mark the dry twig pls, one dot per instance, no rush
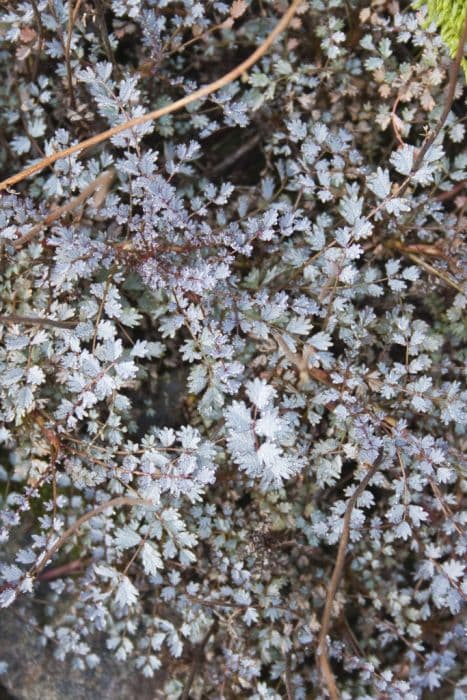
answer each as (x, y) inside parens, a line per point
(72, 14)
(431, 137)
(67, 569)
(453, 192)
(322, 648)
(35, 321)
(451, 92)
(411, 253)
(288, 682)
(99, 187)
(36, 570)
(198, 657)
(168, 109)
(60, 541)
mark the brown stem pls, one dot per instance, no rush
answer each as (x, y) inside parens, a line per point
(451, 92)
(64, 570)
(113, 503)
(431, 138)
(432, 135)
(433, 270)
(72, 14)
(168, 109)
(40, 30)
(232, 158)
(446, 196)
(99, 186)
(100, 19)
(288, 682)
(322, 649)
(36, 321)
(198, 657)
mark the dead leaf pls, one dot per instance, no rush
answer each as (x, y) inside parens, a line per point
(27, 34)
(384, 90)
(427, 101)
(238, 8)
(364, 15)
(22, 52)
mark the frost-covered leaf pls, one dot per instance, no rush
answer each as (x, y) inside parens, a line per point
(151, 558)
(126, 594)
(380, 183)
(126, 537)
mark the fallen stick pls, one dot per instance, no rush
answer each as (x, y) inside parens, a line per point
(157, 113)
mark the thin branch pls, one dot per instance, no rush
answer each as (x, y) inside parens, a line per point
(451, 92)
(395, 121)
(288, 682)
(450, 194)
(198, 657)
(100, 186)
(72, 14)
(100, 19)
(168, 109)
(40, 43)
(432, 135)
(322, 648)
(433, 271)
(113, 503)
(67, 569)
(36, 321)
(36, 570)
(235, 156)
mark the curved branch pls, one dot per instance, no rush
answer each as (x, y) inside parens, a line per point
(197, 661)
(451, 92)
(100, 187)
(322, 649)
(168, 109)
(432, 135)
(35, 321)
(113, 503)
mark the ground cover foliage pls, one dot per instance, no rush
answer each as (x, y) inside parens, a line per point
(292, 244)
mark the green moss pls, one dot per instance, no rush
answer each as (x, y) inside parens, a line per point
(449, 16)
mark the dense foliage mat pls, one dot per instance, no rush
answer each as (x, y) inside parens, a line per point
(232, 342)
